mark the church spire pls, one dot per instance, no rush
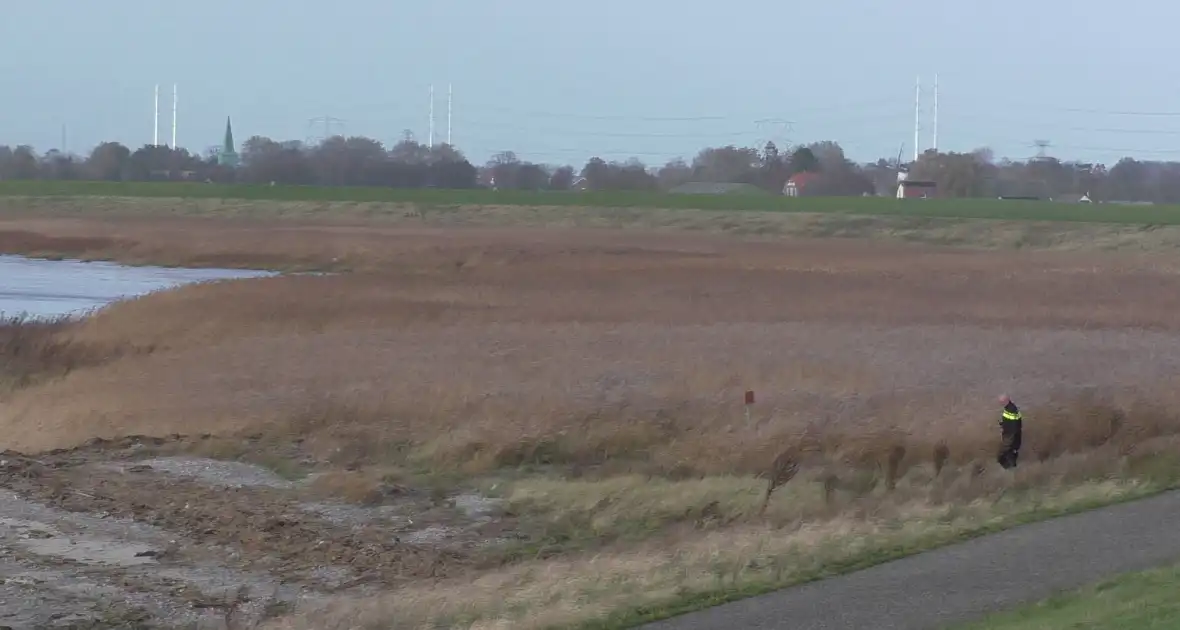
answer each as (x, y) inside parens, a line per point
(228, 155)
(229, 137)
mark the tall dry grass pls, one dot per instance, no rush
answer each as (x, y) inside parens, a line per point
(480, 351)
(35, 350)
(612, 368)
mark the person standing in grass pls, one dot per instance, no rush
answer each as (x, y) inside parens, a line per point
(1010, 430)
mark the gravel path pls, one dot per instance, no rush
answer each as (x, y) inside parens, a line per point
(964, 582)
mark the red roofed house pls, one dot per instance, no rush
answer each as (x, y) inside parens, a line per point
(798, 182)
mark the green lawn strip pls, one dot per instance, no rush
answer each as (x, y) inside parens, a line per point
(1132, 601)
(949, 208)
(698, 600)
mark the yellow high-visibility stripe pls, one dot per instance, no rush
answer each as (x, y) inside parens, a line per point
(1008, 415)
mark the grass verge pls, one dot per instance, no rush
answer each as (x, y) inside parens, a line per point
(700, 551)
(431, 198)
(1133, 601)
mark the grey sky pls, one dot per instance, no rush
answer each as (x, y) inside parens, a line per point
(561, 81)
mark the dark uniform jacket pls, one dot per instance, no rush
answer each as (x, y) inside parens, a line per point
(1010, 413)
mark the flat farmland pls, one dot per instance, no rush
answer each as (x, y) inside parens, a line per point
(443, 200)
(542, 425)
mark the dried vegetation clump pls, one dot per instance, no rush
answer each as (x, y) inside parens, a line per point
(33, 351)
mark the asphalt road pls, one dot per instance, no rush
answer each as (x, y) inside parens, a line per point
(966, 581)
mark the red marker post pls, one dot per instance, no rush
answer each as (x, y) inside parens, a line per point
(749, 403)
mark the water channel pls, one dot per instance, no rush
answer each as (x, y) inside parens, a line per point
(49, 288)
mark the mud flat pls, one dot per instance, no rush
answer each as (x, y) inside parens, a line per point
(126, 533)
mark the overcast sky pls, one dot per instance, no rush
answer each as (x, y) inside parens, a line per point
(560, 81)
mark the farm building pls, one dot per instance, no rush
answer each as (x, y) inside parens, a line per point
(798, 183)
(915, 189)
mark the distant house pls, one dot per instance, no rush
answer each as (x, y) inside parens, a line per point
(716, 188)
(797, 184)
(1072, 198)
(916, 189)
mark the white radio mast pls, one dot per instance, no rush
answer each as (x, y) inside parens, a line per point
(450, 100)
(936, 112)
(917, 116)
(156, 120)
(430, 137)
(173, 116)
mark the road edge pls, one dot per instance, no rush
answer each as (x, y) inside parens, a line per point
(626, 619)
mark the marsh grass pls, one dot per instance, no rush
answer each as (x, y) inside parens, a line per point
(596, 382)
(34, 350)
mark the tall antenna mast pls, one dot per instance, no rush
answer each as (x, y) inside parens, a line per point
(917, 115)
(430, 136)
(156, 120)
(173, 116)
(936, 113)
(450, 100)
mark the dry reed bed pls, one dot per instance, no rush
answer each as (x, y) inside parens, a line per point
(608, 362)
(488, 348)
(549, 284)
(667, 397)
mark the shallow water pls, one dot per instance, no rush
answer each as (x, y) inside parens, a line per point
(48, 288)
(45, 540)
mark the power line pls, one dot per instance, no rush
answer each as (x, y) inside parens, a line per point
(1109, 112)
(1124, 152)
(476, 123)
(328, 122)
(1153, 132)
(1057, 124)
(486, 121)
(782, 111)
(778, 113)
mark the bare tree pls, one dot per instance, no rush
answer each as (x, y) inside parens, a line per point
(562, 178)
(673, 174)
(728, 164)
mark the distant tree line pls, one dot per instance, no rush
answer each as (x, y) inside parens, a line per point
(360, 161)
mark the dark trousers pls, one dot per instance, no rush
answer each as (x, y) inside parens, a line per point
(1009, 443)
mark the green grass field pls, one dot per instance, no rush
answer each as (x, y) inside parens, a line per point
(1136, 601)
(948, 208)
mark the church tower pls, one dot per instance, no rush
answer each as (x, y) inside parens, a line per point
(228, 156)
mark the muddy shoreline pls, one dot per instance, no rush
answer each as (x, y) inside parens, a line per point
(136, 533)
